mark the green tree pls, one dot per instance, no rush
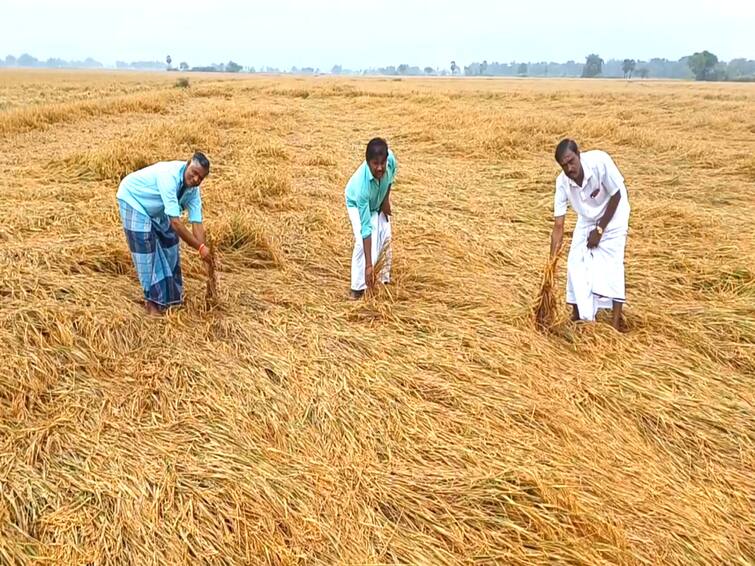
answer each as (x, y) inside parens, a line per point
(702, 65)
(522, 70)
(643, 72)
(429, 70)
(26, 60)
(628, 67)
(184, 66)
(484, 68)
(741, 68)
(593, 66)
(454, 67)
(10, 61)
(232, 67)
(336, 70)
(403, 68)
(168, 60)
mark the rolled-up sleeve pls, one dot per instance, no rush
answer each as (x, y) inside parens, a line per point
(560, 200)
(358, 196)
(391, 166)
(365, 217)
(167, 186)
(194, 206)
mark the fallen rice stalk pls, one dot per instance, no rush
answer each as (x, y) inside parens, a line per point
(211, 295)
(546, 305)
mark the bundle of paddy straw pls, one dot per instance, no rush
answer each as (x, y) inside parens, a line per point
(546, 307)
(211, 295)
(382, 258)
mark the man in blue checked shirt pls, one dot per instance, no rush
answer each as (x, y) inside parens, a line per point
(151, 201)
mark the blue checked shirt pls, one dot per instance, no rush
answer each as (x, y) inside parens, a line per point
(158, 190)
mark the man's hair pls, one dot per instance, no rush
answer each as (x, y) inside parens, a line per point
(201, 159)
(377, 147)
(564, 146)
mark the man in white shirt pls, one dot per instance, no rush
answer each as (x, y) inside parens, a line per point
(592, 184)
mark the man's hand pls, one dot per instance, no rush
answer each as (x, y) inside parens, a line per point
(593, 239)
(204, 253)
(369, 276)
(385, 206)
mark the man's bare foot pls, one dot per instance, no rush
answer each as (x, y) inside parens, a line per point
(356, 295)
(152, 308)
(574, 313)
(618, 321)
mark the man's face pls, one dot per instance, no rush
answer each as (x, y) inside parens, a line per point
(377, 166)
(194, 174)
(571, 164)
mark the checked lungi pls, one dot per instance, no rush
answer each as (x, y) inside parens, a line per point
(154, 247)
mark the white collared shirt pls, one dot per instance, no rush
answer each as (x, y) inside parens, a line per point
(602, 181)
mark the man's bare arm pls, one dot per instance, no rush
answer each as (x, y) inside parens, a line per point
(197, 230)
(613, 204)
(557, 235)
(385, 206)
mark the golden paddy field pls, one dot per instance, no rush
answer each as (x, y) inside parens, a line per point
(428, 424)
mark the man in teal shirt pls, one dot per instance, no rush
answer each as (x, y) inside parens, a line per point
(368, 203)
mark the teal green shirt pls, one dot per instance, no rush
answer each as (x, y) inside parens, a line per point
(366, 194)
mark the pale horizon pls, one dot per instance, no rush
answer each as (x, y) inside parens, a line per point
(285, 34)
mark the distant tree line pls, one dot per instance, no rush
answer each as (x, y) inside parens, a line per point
(230, 67)
(702, 66)
(26, 60)
(699, 66)
(141, 65)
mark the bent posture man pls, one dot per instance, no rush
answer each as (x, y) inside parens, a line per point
(592, 184)
(151, 201)
(368, 202)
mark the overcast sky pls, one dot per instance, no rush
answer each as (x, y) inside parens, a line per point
(371, 33)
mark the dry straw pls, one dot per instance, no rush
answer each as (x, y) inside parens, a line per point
(545, 309)
(211, 294)
(430, 425)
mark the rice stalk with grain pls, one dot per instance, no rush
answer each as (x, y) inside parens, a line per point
(545, 308)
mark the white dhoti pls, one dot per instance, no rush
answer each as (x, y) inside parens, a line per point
(595, 277)
(381, 235)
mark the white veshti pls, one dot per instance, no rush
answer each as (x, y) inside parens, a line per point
(595, 277)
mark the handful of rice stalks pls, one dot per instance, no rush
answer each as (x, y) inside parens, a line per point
(211, 295)
(546, 307)
(381, 260)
